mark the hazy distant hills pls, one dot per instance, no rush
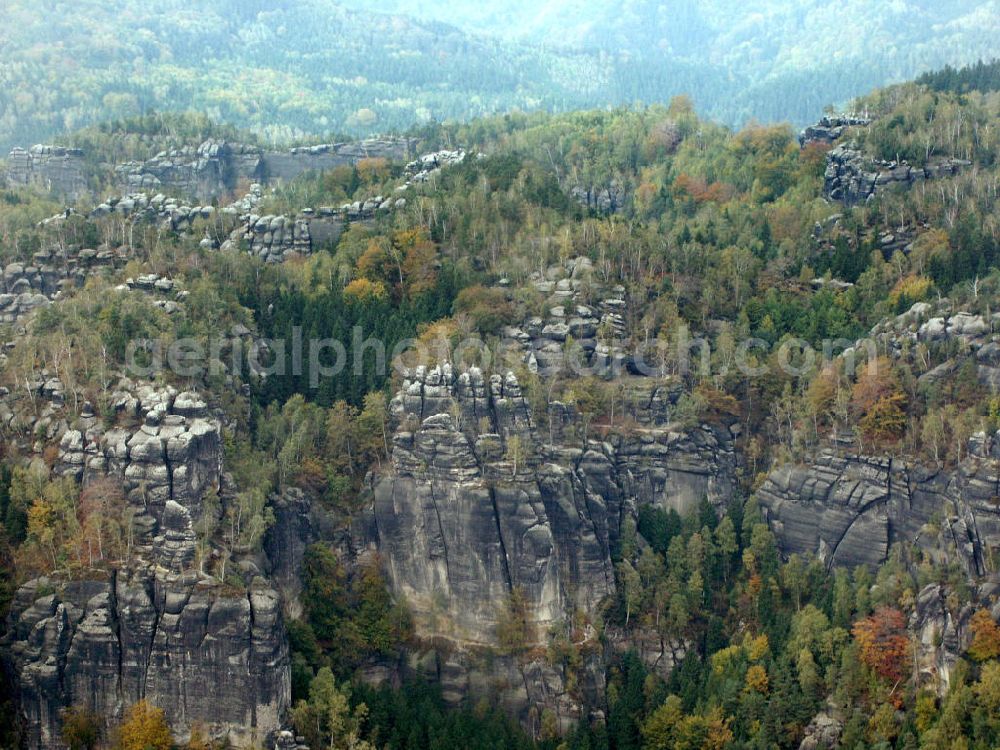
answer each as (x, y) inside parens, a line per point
(301, 67)
(761, 32)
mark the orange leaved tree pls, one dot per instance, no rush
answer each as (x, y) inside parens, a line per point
(882, 643)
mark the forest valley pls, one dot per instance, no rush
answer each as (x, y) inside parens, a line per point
(728, 620)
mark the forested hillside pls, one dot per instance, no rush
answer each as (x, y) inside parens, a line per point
(316, 67)
(694, 444)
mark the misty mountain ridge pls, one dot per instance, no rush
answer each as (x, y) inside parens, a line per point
(293, 70)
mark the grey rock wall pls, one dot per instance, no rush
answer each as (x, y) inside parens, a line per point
(853, 178)
(849, 509)
(154, 626)
(479, 501)
(215, 168)
(51, 168)
(547, 524)
(204, 655)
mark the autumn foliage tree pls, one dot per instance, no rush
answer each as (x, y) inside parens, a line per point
(514, 623)
(879, 403)
(144, 728)
(985, 636)
(882, 643)
(80, 728)
(407, 262)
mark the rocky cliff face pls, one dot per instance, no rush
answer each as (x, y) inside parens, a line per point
(849, 509)
(460, 522)
(216, 167)
(26, 286)
(206, 656)
(831, 127)
(204, 172)
(153, 627)
(479, 503)
(175, 454)
(52, 168)
(853, 178)
(287, 165)
(608, 199)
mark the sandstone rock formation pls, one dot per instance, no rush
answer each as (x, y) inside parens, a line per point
(153, 627)
(26, 286)
(457, 522)
(201, 173)
(607, 199)
(201, 653)
(208, 171)
(51, 168)
(853, 178)
(273, 238)
(174, 454)
(849, 509)
(831, 127)
(823, 732)
(287, 165)
(479, 501)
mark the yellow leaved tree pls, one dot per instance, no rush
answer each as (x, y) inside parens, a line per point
(144, 728)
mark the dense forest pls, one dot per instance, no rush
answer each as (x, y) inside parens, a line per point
(983, 76)
(725, 233)
(316, 67)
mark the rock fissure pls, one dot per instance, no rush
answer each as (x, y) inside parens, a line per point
(504, 558)
(116, 629)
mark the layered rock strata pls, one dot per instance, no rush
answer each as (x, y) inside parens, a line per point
(849, 509)
(152, 627)
(480, 502)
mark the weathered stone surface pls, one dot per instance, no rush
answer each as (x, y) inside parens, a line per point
(288, 165)
(275, 238)
(54, 169)
(27, 286)
(851, 177)
(831, 127)
(206, 172)
(941, 637)
(203, 654)
(849, 509)
(823, 732)
(609, 199)
(480, 501)
(174, 454)
(285, 545)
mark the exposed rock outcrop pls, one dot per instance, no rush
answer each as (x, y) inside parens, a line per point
(479, 502)
(849, 509)
(201, 173)
(608, 199)
(52, 168)
(941, 636)
(208, 171)
(459, 523)
(153, 626)
(287, 165)
(851, 177)
(26, 286)
(174, 454)
(823, 732)
(273, 238)
(203, 654)
(831, 127)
